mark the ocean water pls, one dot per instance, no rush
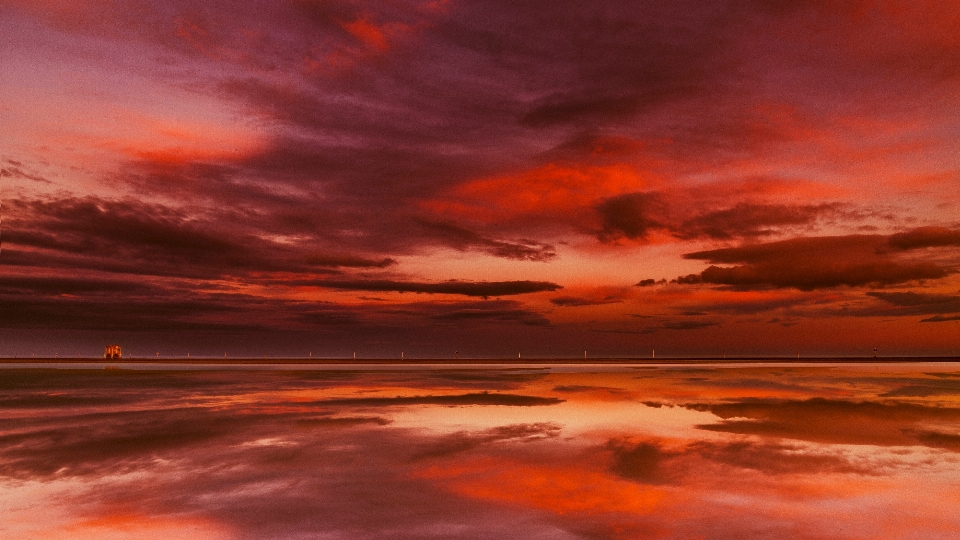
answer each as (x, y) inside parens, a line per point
(494, 451)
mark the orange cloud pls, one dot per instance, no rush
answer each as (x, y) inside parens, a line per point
(552, 189)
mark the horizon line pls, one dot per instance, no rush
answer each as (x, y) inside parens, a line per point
(304, 360)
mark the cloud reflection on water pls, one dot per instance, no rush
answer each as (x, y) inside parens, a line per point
(760, 452)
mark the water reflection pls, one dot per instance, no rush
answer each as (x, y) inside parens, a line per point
(758, 451)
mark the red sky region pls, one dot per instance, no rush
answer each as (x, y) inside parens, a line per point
(329, 177)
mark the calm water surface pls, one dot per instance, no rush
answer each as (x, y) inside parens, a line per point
(298, 452)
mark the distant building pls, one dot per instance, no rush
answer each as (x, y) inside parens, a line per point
(112, 351)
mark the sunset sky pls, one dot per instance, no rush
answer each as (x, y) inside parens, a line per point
(329, 177)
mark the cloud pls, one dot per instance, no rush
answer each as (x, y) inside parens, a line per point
(688, 325)
(778, 458)
(631, 216)
(812, 263)
(750, 220)
(245, 457)
(466, 288)
(922, 301)
(937, 439)
(241, 460)
(641, 462)
(635, 216)
(926, 388)
(463, 239)
(491, 313)
(321, 259)
(60, 285)
(828, 421)
(17, 172)
(941, 318)
(463, 441)
(482, 398)
(341, 421)
(649, 462)
(593, 145)
(468, 312)
(760, 301)
(135, 236)
(817, 276)
(151, 313)
(585, 388)
(924, 237)
(34, 401)
(909, 303)
(577, 301)
(574, 109)
(326, 315)
(98, 443)
(662, 323)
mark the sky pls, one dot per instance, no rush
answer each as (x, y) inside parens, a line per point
(485, 179)
(853, 452)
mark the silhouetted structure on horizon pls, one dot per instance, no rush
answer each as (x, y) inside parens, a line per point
(112, 351)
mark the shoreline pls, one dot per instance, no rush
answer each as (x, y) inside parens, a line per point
(488, 361)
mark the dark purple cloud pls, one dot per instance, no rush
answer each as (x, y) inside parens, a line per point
(926, 388)
(688, 325)
(937, 307)
(925, 237)
(937, 439)
(586, 388)
(577, 301)
(631, 216)
(941, 306)
(750, 220)
(92, 445)
(650, 463)
(17, 172)
(635, 215)
(812, 263)
(827, 421)
(941, 318)
(144, 313)
(56, 285)
(463, 239)
(468, 312)
(134, 237)
(351, 261)
(466, 288)
(484, 398)
(641, 462)
(482, 313)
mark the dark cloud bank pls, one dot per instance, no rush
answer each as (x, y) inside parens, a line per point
(824, 262)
